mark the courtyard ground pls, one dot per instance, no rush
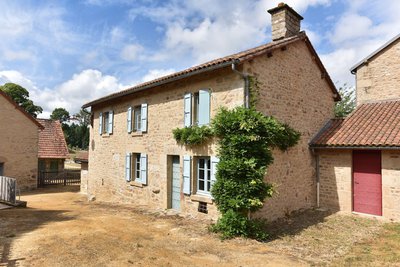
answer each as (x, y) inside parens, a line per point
(60, 228)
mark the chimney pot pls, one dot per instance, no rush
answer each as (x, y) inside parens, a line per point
(285, 21)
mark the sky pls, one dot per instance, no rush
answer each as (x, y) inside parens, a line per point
(68, 52)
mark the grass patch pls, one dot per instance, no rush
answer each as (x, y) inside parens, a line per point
(384, 250)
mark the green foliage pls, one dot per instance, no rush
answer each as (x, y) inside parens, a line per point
(21, 96)
(192, 136)
(348, 102)
(60, 114)
(246, 137)
(254, 90)
(233, 224)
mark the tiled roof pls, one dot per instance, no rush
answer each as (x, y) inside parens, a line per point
(51, 140)
(220, 63)
(23, 111)
(370, 125)
(82, 156)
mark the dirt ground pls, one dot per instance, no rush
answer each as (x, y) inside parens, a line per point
(63, 229)
(60, 228)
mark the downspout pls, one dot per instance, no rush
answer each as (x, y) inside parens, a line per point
(318, 178)
(245, 77)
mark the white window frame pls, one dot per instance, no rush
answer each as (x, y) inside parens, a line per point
(137, 173)
(207, 175)
(106, 117)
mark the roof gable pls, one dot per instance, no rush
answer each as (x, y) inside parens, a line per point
(221, 63)
(52, 141)
(373, 54)
(23, 111)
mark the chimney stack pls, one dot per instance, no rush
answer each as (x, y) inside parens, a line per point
(285, 21)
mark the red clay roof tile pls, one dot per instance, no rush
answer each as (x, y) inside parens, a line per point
(370, 125)
(51, 140)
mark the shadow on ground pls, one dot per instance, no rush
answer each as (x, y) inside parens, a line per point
(295, 223)
(19, 221)
(51, 189)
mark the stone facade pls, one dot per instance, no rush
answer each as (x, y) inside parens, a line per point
(285, 22)
(291, 89)
(336, 182)
(18, 145)
(379, 78)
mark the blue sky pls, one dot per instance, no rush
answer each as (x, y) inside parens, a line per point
(69, 52)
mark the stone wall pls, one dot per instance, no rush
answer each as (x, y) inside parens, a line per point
(379, 79)
(291, 89)
(84, 177)
(336, 182)
(18, 145)
(165, 113)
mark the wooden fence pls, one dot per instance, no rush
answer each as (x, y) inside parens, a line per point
(8, 190)
(65, 177)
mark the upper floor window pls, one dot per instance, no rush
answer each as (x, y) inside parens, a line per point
(197, 108)
(106, 122)
(137, 119)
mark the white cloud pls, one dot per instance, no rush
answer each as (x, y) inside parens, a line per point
(81, 88)
(156, 73)
(131, 52)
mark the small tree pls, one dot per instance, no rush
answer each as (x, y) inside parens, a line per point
(246, 137)
(347, 104)
(21, 96)
(60, 114)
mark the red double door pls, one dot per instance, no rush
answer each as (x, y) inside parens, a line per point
(367, 182)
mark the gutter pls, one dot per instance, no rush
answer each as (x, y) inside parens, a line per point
(151, 85)
(245, 77)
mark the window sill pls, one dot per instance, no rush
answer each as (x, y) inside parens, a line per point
(134, 134)
(136, 184)
(201, 198)
(105, 135)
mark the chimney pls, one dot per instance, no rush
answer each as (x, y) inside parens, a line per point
(285, 21)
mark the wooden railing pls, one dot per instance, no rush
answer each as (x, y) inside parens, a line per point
(65, 177)
(8, 190)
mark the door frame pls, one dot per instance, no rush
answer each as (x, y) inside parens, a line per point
(170, 178)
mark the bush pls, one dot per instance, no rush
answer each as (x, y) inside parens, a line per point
(191, 136)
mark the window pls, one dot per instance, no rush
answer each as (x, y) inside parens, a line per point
(136, 167)
(137, 119)
(204, 175)
(197, 108)
(1, 169)
(106, 122)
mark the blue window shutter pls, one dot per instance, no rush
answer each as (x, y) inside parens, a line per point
(144, 118)
(143, 168)
(128, 161)
(110, 121)
(187, 160)
(100, 123)
(129, 120)
(204, 107)
(188, 110)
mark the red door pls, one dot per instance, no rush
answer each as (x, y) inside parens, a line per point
(367, 182)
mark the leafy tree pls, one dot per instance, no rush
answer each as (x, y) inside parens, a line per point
(21, 96)
(348, 102)
(83, 117)
(60, 114)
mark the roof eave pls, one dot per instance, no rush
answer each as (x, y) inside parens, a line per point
(353, 147)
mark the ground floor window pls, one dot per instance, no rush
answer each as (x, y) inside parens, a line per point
(204, 175)
(136, 167)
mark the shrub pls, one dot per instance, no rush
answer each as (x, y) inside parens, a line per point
(191, 136)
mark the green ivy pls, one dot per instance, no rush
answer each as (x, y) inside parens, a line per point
(192, 136)
(246, 137)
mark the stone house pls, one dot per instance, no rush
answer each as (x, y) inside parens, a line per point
(19, 137)
(53, 148)
(359, 156)
(135, 159)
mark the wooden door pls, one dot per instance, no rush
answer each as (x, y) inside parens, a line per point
(367, 182)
